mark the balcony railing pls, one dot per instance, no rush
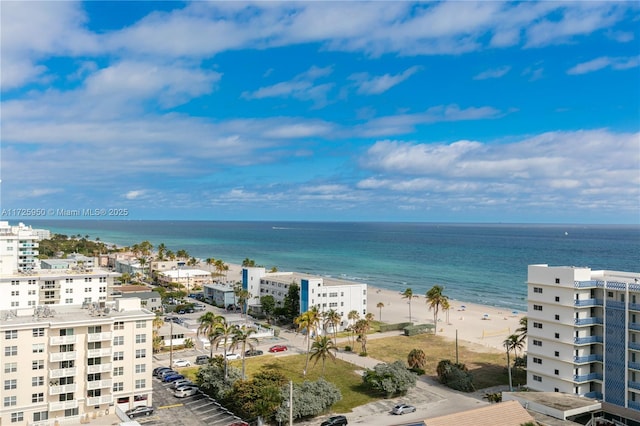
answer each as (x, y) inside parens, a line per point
(98, 400)
(587, 302)
(587, 377)
(594, 395)
(634, 385)
(62, 340)
(62, 372)
(587, 358)
(95, 353)
(634, 326)
(63, 356)
(64, 405)
(588, 321)
(587, 340)
(100, 384)
(57, 390)
(99, 337)
(634, 306)
(99, 368)
(634, 346)
(634, 365)
(634, 405)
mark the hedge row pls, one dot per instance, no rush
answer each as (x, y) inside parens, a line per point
(392, 327)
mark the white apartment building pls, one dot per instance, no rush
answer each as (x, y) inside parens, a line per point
(584, 335)
(67, 364)
(18, 248)
(325, 293)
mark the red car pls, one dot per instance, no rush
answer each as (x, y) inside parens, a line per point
(277, 348)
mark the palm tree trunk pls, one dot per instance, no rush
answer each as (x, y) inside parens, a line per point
(306, 364)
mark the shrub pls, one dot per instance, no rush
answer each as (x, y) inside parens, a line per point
(412, 330)
(347, 348)
(390, 379)
(309, 399)
(362, 354)
(417, 359)
(455, 376)
(392, 327)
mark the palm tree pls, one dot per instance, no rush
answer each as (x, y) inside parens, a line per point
(308, 321)
(332, 319)
(208, 323)
(417, 359)
(323, 348)
(243, 297)
(522, 330)
(435, 299)
(222, 334)
(408, 294)
(511, 344)
(162, 249)
(353, 316)
(241, 338)
(380, 305)
(446, 306)
(361, 328)
(157, 340)
(171, 255)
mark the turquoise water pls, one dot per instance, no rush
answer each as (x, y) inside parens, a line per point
(480, 263)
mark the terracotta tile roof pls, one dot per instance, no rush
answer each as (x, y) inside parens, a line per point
(509, 413)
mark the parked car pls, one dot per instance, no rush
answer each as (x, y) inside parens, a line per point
(139, 411)
(403, 409)
(231, 357)
(253, 352)
(182, 382)
(165, 373)
(277, 348)
(181, 363)
(202, 359)
(158, 370)
(335, 421)
(185, 391)
(172, 378)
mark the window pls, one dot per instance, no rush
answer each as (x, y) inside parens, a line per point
(141, 338)
(37, 397)
(92, 393)
(118, 356)
(141, 324)
(557, 298)
(102, 290)
(537, 307)
(15, 292)
(557, 353)
(118, 325)
(537, 342)
(141, 368)
(537, 325)
(37, 381)
(94, 345)
(10, 350)
(40, 416)
(68, 280)
(118, 341)
(118, 371)
(37, 365)
(557, 280)
(10, 384)
(141, 383)
(68, 290)
(557, 317)
(67, 380)
(37, 348)
(537, 378)
(66, 397)
(141, 353)
(94, 329)
(67, 348)
(93, 377)
(537, 361)
(10, 401)
(68, 301)
(67, 364)
(17, 417)
(118, 386)
(557, 335)
(71, 412)
(94, 361)
(87, 289)
(10, 367)
(11, 334)
(537, 290)
(15, 304)
(66, 332)
(556, 372)
(87, 279)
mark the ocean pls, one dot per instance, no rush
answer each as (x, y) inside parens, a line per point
(477, 263)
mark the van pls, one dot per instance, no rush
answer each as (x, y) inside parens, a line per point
(202, 359)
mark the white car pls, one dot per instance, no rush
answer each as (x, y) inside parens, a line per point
(231, 357)
(181, 382)
(181, 363)
(185, 391)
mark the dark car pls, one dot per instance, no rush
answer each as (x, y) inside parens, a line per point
(161, 371)
(253, 352)
(172, 378)
(139, 411)
(202, 360)
(335, 421)
(157, 370)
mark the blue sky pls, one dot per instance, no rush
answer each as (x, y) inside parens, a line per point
(348, 111)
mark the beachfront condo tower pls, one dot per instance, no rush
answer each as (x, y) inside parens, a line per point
(584, 335)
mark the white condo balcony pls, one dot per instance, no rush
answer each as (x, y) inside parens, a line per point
(62, 340)
(99, 337)
(98, 400)
(99, 384)
(57, 390)
(64, 405)
(62, 372)
(99, 368)
(95, 353)
(63, 356)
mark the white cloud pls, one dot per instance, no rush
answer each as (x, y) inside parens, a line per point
(132, 195)
(492, 73)
(619, 63)
(375, 85)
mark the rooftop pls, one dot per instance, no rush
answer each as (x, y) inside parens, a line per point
(289, 277)
(509, 413)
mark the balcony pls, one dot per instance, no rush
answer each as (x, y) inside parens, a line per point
(99, 337)
(57, 390)
(95, 353)
(63, 356)
(587, 302)
(585, 284)
(633, 385)
(98, 400)
(100, 384)
(587, 358)
(27, 245)
(587, 377)
(62, 372)
(634, 326)
(64, 405)
(588, 321)
(62, 340)
(587, 340)
(99, 368)
(634, 365)
(634, 405)
(634, 306)
(594, 395)
(634, 346)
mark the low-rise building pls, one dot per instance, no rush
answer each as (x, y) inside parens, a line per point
(189, 278)
(219, 295)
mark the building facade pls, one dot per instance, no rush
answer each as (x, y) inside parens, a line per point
(66, 364)
(324, 293)
(18, 248)
(584, 335)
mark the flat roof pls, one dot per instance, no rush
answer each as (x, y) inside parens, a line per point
(288, 277)
(556, 400)
(185, 273)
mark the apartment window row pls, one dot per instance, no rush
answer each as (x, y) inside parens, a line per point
(537, 361)
(11, 334)
(37, 397)
(537, 290)
(537, 325)
(37, 381)
(17, 417)
(10, 384)
(37, 365)
(537, 307)
(537, 378)
(10, 401)
(10, 367)
(10, 350)
(537, 342)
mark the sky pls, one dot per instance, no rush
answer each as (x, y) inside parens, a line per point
(326, 111)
